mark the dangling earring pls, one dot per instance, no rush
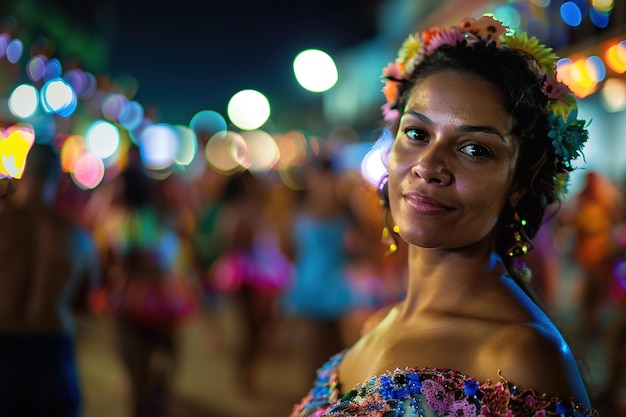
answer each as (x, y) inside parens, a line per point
(521, 243)
(387, 238)
(390, 240)
(520, 246)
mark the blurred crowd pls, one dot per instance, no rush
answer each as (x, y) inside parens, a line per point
(304, 251)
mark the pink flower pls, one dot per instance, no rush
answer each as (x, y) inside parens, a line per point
(554, 89)
(444, 37)
(443, 402)
(389, 114)
(392, 70)
(320, 412)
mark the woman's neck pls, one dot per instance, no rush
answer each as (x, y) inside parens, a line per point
(445, 280)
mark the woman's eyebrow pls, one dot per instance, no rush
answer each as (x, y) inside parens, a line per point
(420, 116)
(464, 128)
(484, 129)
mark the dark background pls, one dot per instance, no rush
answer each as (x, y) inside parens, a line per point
(190, 55)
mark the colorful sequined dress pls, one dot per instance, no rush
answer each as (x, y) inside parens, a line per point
(428, 392)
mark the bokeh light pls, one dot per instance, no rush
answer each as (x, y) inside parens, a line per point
(206, 123)
(508, 15)
(224, 149)
(52, 70)
(599, 18)
(4, 43)
(315, 70)
(84, 83)
(613, 95)
(579, 75)
(187, 145)
(248, 109)
(262, 149)
(603, 6)
(615, 57)
(88, 171)
(292, 146)
(102, 139)
(571, 14)
(57, 96)
(594, 66)
(582, 82)
(36, 67)
(71, 149)
(15, 143)
(113, 106)
(131, 116)
(14, 51)
(372, 167)
(24, 101)
(158, 146)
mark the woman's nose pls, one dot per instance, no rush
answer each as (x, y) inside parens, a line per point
(431, 166)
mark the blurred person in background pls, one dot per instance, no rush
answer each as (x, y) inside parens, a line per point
(205, 242)
(148, 285)
(592, 218)
(610, 396)
(249, 273)
(478, 141)
(320, 222)
(45, 259)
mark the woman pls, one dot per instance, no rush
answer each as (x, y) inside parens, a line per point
(593, 217)
(483, 138)
(148, 289)
(250, 272)
(320, 295)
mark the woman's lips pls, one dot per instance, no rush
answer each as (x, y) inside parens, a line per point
(426, 205)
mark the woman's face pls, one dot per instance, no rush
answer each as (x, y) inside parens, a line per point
(452, 163)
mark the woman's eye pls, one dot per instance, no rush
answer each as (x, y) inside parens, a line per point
(416, 134)
(475, 151)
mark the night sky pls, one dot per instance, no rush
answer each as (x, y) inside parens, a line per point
(189, 55)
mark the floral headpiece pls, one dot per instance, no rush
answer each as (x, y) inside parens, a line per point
(567, 132)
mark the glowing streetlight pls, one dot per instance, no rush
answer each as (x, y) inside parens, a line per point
(315, 70)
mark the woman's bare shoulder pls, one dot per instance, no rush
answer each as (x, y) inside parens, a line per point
(536, 356)
(375, 318)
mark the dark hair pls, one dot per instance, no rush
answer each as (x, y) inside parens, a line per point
(511, 73)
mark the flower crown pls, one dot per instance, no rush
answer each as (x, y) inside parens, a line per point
(567, 133)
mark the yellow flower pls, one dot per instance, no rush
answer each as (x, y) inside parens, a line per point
(544, 55)
(564, 107)
(409, 49)
(560, 184)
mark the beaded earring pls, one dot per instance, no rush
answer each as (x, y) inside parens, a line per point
(520, 246)
(390, 240)
(521, 243)
(387, 238)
